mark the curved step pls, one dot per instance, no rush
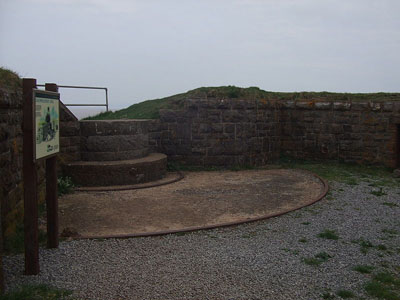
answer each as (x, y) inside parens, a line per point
(122, 172)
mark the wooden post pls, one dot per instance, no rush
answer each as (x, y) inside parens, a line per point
(1, 259)
(30, 182)
(51, 191)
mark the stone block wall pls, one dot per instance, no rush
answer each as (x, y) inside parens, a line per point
(253, 132)
(70, 148)
(352, 131)
(112, 140)
(219, 132)
(11, 141)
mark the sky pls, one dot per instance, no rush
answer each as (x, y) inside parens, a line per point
(147, 49)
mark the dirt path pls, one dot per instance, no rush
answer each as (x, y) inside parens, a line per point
(201, 199)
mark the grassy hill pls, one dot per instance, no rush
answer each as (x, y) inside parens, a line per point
(149, 109)
(9, 79)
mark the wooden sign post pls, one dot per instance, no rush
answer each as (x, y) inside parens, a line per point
(41, 128)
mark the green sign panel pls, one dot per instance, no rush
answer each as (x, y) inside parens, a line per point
(46, 123)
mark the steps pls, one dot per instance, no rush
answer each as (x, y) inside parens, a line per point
(119, 172)
(115, 152)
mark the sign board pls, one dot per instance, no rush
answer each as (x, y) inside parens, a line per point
(46, 123)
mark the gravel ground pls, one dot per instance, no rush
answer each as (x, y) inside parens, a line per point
(262, 260)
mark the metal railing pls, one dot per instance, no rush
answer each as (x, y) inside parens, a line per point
(84, 87)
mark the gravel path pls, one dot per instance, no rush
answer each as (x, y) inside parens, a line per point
(262, 260)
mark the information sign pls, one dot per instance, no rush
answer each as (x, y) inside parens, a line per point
(46, 123)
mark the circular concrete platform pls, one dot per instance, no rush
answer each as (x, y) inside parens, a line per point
(200, 200)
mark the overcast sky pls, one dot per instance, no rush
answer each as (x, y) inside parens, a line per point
(149, 49)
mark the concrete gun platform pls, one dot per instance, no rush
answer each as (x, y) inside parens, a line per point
(201, 200)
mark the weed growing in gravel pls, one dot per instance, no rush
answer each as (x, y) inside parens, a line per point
(328, 296)
(390, 231)
(39, 292)
(381, 247)
(365, 245)
(317, 259)
(303, 240)
(364, 269)
(306, 223)
(249, 235)
(345, 294)
(390, 204)
(329, 234)
(378, 193)
(294, 252)
(384, 285)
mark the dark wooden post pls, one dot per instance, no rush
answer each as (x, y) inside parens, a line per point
(1, 259)
(30, 182)
(51, 191)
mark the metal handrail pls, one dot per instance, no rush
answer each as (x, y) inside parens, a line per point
(84, 87)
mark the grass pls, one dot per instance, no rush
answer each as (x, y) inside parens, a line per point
(9, 79)
(303, 240)
(345, 294)
(384, 285)
(317, 259)
(149, 109)
(347, 173)
(37, 292)
(15, 243)
(305, 223)
(363, 269)
(365, 245)
(328, 234)
(379, 192)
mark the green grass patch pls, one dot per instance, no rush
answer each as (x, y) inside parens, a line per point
(384, 285)
(37, 292)
(364, 269)
(380, 291)
(347, 173)
(378, 193)
(305, 223)
(317, 259)
(345, 294)
(303, 240)
(328, 234)
(365, 245)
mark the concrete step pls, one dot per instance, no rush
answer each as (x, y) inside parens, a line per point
(122, 172)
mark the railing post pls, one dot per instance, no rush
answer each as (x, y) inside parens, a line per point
(106, 99)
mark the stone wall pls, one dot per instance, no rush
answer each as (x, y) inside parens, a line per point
(11, 184)
(253, 132)
(11, 142)
(70, 149)
(114, 140)
(219, 132)
(352, 131)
